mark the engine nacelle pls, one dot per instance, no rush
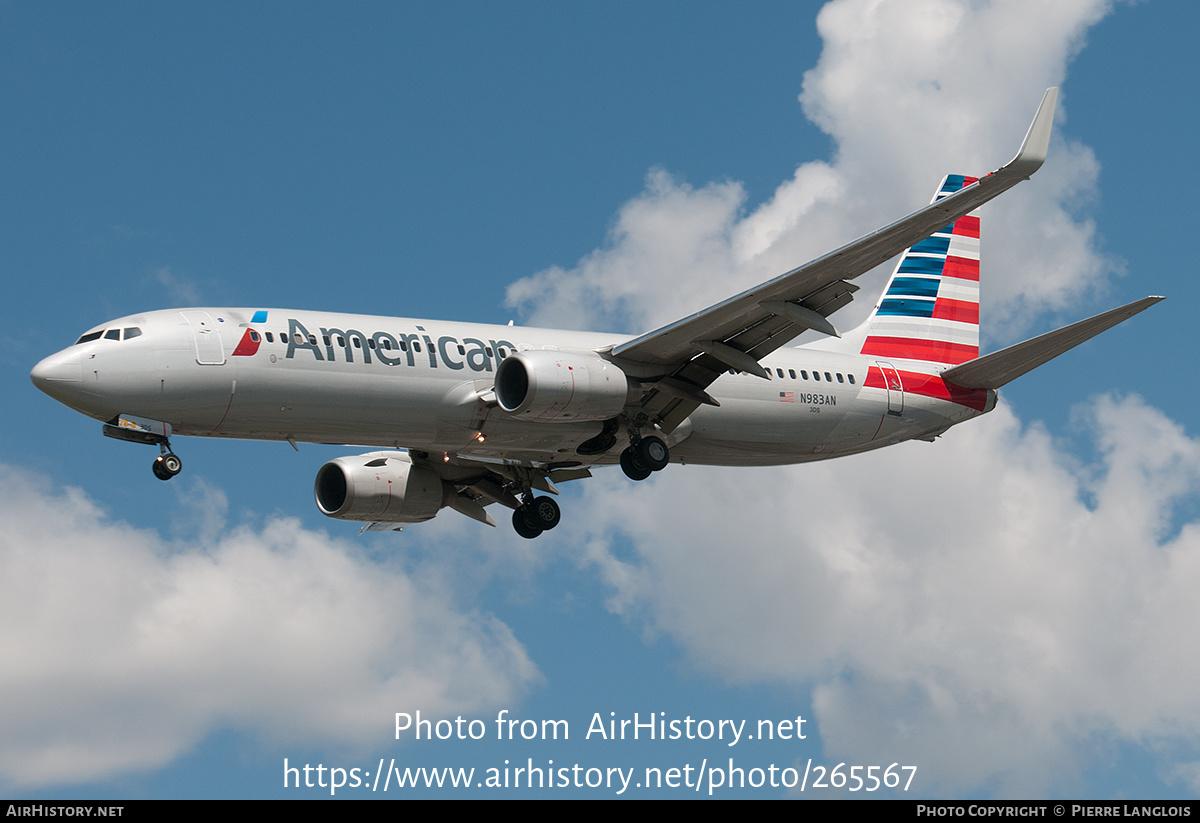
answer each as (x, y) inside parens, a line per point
(380, 486)
(563, 387)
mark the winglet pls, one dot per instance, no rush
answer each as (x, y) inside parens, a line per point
(1037, 140)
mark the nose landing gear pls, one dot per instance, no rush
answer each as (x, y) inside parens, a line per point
(152, 433)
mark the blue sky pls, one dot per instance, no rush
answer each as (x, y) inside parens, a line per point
(1008, 609)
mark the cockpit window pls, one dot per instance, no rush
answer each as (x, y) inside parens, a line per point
(110, 334)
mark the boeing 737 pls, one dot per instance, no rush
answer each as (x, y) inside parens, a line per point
(465, 415)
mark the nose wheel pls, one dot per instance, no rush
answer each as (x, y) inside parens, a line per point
(167, 465)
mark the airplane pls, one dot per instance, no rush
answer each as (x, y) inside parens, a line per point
(464, 415)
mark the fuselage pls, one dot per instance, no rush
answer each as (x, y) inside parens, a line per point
(321, 377)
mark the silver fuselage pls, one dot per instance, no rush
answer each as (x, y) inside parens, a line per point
(402, 383)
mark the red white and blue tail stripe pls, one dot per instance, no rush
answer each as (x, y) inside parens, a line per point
(930, 308)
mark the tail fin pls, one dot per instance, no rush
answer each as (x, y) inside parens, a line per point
(930, 308)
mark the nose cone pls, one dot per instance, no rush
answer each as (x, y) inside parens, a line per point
(59, 375)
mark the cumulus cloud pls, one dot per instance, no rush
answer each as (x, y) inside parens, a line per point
(989, 608)
(984, 607)
(119, 650)
(909, 92)
(668, 235)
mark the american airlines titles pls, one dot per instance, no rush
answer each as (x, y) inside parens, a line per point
(398, 349)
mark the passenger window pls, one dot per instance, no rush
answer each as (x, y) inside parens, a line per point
(461, 349)
(792, 373)
(325, 339)
(132, 332)
(358, 342)
(112, 334)
(851, 379)
(371, 342)
(312, 340)
(341, 341)
(839, 374)
(270, 339)
(817, 376)
(253, 336)
(416, 346)
(403, 345)
(780, 373)
(299, 339)
(828, 378)
(803, 374)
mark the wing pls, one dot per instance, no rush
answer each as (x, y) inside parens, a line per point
(685, 357)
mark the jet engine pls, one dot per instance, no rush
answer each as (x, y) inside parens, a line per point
(380, 486)
(562, 387)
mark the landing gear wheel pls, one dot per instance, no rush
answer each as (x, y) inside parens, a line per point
(536, 516)
(522, 525)
(167, 466)
(633, 466)
(653, 453)
(172, 464)
(543, 512)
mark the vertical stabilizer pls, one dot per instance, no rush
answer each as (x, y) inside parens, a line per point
(930, 308)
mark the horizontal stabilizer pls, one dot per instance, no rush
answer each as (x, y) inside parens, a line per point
(998, 368)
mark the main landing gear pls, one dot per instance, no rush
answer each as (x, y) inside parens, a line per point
(167, 464)
(645, 456)
(536, 515)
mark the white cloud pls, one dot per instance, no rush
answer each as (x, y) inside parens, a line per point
(983, 607)
(909, 91)
(119, 651)
(987, 608)
(180, 289)
(670, 234)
